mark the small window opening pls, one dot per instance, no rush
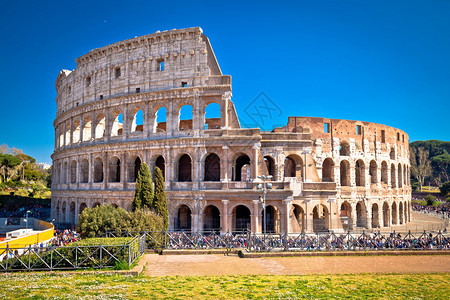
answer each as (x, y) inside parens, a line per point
(206, 126)
(403, 138)
(398, 136)
(183, 84)
(88, 81)
(138, 90)
(70, 90)
(117, 73)
(161, 65)
(358, 129)
(101, 97)
(77, 103)
(383, 136)
(326, 127)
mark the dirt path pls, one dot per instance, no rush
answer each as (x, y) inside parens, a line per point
(165, 265)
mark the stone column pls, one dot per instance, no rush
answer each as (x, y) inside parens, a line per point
(224, 216)
(105, 169)
(224, 111)
(225, 166)
(254, 162)
(354, 216)
(369, 217)
(71, 132)
(308, 217)
(333, 221)
(287, 208)
(90, 171)
(123, 167)
(76, 211)
(257, 219)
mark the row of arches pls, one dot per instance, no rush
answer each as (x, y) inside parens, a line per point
(344, 150)
(90, 127)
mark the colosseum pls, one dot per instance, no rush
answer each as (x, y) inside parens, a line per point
(124, 105)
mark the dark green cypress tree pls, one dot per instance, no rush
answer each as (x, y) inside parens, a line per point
(143, 196)
(160, 201)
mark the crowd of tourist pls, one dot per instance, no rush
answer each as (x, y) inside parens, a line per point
(35, 211)
(62, 238)
(440, 210)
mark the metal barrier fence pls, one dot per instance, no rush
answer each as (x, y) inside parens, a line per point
(327, 241)
(71, 257)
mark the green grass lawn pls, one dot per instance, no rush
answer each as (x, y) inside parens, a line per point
(95, 286)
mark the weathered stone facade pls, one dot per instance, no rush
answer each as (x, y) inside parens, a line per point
(327, 174)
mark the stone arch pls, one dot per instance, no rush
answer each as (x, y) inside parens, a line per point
(183, 218)
(160, 124)
(87, 129)
(360, 173)
(84, 171)
(392, 153)
(184, 168)
(76, 131)
(373, 172)
(298, 224)
(400, 180)
(241, 218)
(344, 148)
(211, 218)
(117, 125)
(98, 170)
(114, 169)
(63, 212)
(386, 214)
(328, 170)
(345, 173)
(67, 132)
(270, 165)
(393, 184)
(272, 219)
(134, 165)
(73, 171)
(137, 125)
(100, 126)
(114, 205)
(242, 170)
(345, 215)
(361, 214)
(82, 207)
(160, 162)
(375, 216)
(212, 116)
(72, 212)
(212, 167)
(384, 173)
(185, 118)
(96, 204)
(320, 218)
(394, 214)
(293, 166)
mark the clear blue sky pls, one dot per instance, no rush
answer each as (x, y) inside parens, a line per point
(380, 61)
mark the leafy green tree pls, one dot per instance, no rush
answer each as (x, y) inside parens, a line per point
(142, 220)
(430, 199)
(160, 200)
(8, 161)
(442, 163)
(445, 188)
(143, 196)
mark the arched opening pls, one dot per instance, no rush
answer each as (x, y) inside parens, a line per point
(345, 216)
(100, 126)
(185, 168)
(373, 172)
(63, 212)
(212, 116)
(117, 127)
(386, 214)
(114, 169)
(392, 154)
(160, 120)
(241, 218)
(375, 219)
(183, 218)
(405, 178)
(361, 215)
(73, 171)
(394, 214)
(185, 118)
(137, 126)
(384, 173)
(293, 167)
(134, 165)
(87, 129)
(328, 170)
(393, 183)
(271, 219)
(400, 180)
(242, 168)
(98, 170)
(84, 171)
(96, 204)
(360, 173)
(320, 218)
(400, 213)
(211, 219)
(270, 165)
(65, 172)
(114, 205)
(67, 133)
(299, 219)
(212, 167)
(72, 212)
(344, 149)
(161, 164)
(82, 207)
(76, 131)
(345, 173)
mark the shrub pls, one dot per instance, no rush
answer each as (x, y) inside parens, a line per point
(445, 188)
(430, 199)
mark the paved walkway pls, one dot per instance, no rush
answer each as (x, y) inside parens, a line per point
(421, 222)
(167, 265)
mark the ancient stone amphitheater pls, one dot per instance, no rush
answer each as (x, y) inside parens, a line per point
(121, 107)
